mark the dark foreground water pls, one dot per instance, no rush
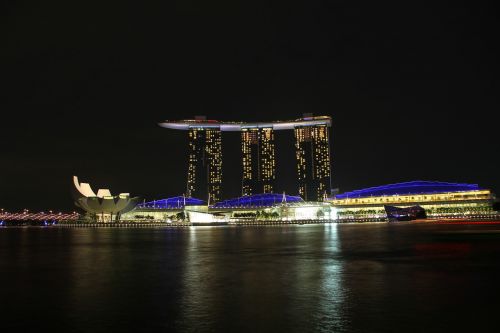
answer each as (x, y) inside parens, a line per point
(333, 278)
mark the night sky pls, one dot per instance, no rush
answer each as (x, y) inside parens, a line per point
(411, 86)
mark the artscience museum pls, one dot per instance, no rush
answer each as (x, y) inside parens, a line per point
(103, 206)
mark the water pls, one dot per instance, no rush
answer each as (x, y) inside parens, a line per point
(316, 278)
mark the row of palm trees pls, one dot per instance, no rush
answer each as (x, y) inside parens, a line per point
(460, 210)
(363, 212)
(258, 215)
(437, 211)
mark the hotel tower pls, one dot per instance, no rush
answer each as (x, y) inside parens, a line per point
(259, 166)
(258, 162)
(312, 148)
(204, 177)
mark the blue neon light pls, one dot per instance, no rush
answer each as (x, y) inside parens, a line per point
(414, 187)
(172, 203)
(257, 200)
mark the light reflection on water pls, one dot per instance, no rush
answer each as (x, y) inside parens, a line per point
(265, 280)
(311, 278)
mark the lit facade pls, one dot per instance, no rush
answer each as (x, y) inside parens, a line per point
(257, 207)
(258, 201)
(214, 155)
(103, 206)
(439, 199)
(258, 155)
(196, 178)
(313, 162)
(175, 209)
(204, 164)
(259, 166)
(274, 207)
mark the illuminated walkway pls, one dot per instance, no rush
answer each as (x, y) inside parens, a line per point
(40, 216)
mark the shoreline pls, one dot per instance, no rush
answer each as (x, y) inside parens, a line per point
(139, 225)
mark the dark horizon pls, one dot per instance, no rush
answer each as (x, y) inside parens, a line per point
(412, 89)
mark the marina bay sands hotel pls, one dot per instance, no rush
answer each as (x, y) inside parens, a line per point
(312, 150)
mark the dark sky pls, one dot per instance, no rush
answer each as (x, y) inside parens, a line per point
(412, 87)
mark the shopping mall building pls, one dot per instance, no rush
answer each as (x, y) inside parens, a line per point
(270, 207)
(439, 199)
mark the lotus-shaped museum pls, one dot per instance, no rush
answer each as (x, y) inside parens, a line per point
(105, 206)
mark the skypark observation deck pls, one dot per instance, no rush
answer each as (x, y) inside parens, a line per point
(239, 126)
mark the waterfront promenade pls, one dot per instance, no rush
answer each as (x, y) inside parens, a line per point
(161, 224)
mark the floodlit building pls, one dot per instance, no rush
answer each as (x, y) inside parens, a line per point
(256, 207)
(313, 161)
(175, 209)
(275, 207)
(259, 165)
(438, 199)
(204, 178)
(104, 206)
(258, 156)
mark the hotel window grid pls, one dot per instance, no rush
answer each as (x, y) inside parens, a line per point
(313, 162)
(205, 164)
(258, 160)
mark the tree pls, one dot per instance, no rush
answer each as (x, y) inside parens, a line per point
(90, 217)
(180, 216)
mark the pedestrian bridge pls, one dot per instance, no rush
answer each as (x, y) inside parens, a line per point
(39, 216)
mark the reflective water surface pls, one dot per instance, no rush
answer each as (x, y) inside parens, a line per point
(319, 278)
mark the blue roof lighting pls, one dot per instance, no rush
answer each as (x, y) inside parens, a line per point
(257, 200)
(172, 203)
(414, 187)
